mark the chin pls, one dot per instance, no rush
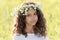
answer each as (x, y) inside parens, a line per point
(33, 23)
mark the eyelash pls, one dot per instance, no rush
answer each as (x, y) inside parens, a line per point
(30, 15)
(35, 14)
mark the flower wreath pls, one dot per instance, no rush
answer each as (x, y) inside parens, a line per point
(25, 8)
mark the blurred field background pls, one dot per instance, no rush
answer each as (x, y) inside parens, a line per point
(50, 8)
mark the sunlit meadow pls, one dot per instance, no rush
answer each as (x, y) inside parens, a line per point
(50, 8)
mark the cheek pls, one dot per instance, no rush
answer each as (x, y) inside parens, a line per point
(36, 18)
(28, 19)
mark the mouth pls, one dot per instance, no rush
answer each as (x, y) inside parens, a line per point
(33, 22)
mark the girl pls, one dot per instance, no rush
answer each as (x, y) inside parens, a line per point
(29, 23)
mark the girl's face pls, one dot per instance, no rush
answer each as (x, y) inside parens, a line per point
(31, 17)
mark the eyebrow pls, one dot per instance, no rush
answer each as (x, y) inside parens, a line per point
(30, 14)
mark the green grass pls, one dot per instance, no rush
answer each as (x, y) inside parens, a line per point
(50, 8)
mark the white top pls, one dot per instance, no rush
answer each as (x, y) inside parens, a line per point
(30, 36)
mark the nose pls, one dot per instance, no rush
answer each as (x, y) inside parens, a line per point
(33, 17)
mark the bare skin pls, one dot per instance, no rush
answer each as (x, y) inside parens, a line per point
(31, 20)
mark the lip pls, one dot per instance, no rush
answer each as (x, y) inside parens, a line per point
(33, 21)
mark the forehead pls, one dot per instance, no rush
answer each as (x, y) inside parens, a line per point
(31, 11)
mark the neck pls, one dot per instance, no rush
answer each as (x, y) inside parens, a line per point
(29, 28)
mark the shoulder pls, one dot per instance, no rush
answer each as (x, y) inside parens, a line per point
(45, 37)
(17, 37)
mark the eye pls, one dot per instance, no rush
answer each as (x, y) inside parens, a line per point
(35, 14)
(28, 15)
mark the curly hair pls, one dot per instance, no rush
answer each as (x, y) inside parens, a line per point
(20, 23)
